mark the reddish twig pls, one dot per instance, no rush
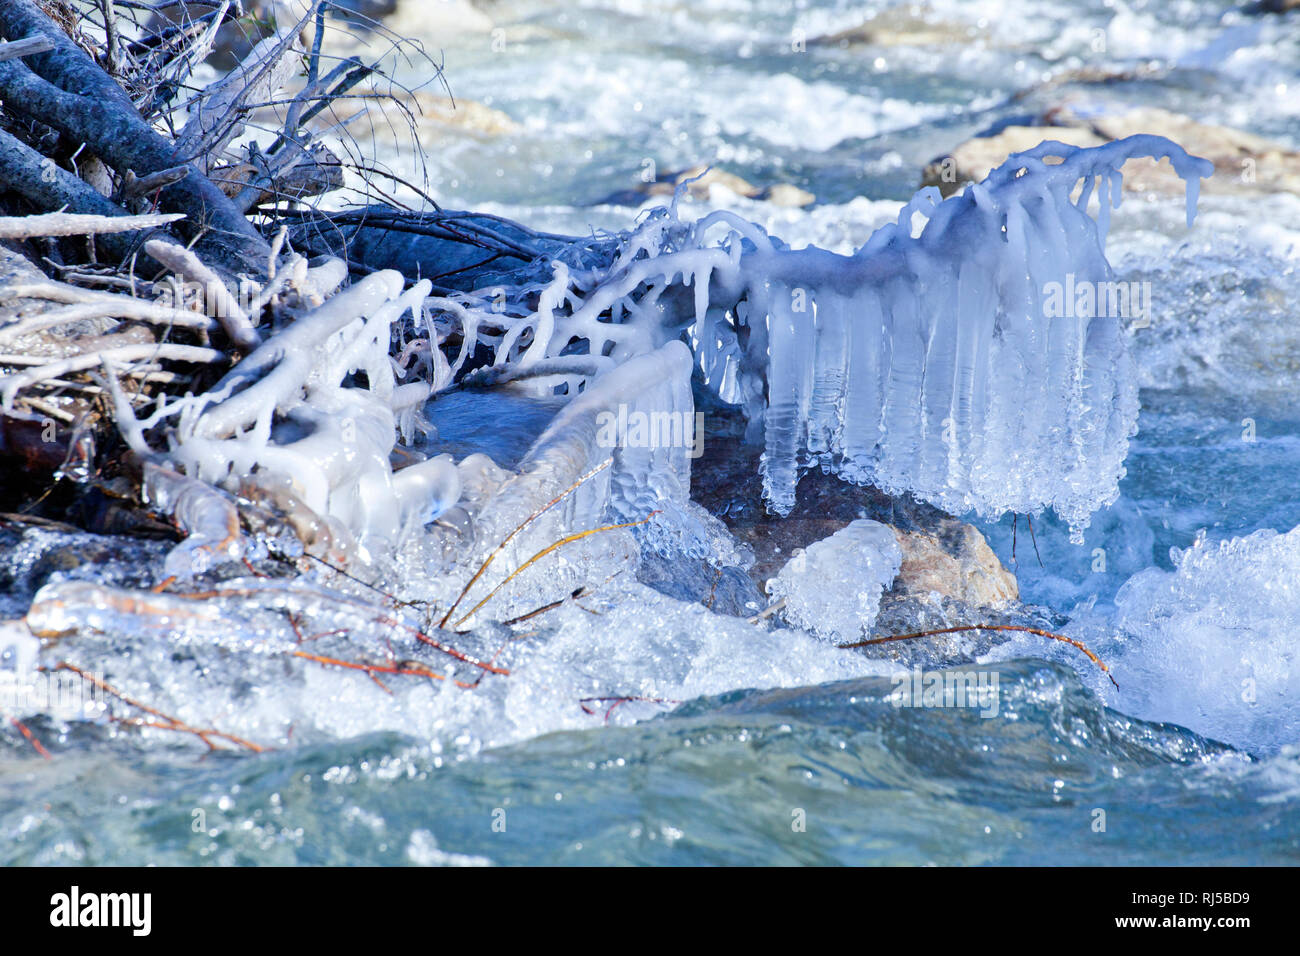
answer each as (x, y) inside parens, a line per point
(164, 721)
(618, 702)
(988, 627)
(567, 539)
(31, 738)
(520, 528)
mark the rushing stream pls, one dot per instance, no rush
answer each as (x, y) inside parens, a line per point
(742, 745)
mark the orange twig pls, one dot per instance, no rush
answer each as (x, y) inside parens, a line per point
(400, 669)
(166, 722)
(567, 539)
(376, 615)
(31, 738)
(618, 702)
(989, 627)
(508, 538)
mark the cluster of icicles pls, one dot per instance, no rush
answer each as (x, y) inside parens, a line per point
(924, 363)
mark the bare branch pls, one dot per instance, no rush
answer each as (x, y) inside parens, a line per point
(234, 320)
(75, 224)
(27, 47)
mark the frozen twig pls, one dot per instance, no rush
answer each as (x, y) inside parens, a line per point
(234, 320)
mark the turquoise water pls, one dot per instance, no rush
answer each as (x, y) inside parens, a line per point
(827, 769)
(724, 780)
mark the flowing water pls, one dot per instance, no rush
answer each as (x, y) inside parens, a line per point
(749, 746)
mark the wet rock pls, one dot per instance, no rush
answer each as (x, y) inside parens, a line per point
(973, 160)
(898, 27)
(954, 561)
(727, 590)
(16, 270)
(701, 180)
(444, 17)
(788, 196)
(1243, 162)
(942, 558)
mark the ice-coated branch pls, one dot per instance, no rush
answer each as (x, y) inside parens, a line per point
(929, 364)
(184, 263)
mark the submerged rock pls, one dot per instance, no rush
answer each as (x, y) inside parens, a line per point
(700, 180)
(1243, 162)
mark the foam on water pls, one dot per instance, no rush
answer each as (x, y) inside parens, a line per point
(1211, 645)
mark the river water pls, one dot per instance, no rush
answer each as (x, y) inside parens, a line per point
(769, 747)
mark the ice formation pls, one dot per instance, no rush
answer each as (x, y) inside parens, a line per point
(833, 586)
(293, 412)
(931, 362)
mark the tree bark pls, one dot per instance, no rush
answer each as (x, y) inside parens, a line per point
(50, 187)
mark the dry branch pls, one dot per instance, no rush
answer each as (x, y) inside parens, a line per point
(65, 89)
(27, 47)
(79, 224)
(11, 384)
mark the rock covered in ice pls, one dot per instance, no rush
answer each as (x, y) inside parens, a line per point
(1212, 644)
(833, 586)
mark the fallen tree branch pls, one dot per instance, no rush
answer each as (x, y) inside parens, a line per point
(49, 186)
(79, 224)
(11, 384)
(20, 48)
(66, 90)
(90, 304)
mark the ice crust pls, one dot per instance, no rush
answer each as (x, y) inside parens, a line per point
(833, 586)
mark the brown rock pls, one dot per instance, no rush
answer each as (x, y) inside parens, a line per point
(389, 117)
(897, 28)
(1243, 162)
(956, 562)
(702, 179)
(973, 160)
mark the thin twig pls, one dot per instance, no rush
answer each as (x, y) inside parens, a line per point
(987, 627)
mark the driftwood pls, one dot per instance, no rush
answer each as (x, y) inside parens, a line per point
(75, 224)
(65, 89)
(135, 264)
(27, 47)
